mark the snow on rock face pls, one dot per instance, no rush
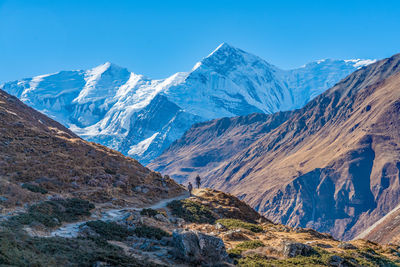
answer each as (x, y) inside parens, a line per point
(141, 117)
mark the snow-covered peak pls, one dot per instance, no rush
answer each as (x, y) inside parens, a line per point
(325, 63)
(359, 63)
(122, 110)
(227, 58)
(102, 82)
(222, 48)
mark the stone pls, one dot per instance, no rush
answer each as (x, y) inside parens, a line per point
(338, 261)
(161, 218)
(100, 264)
(198, 248)
(220, 227)
(293, 249)
(345, 245)
(235, 235)
(166, 241)
(180, 222)
(86, 231)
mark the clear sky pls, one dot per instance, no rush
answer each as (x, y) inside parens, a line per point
(159, 38)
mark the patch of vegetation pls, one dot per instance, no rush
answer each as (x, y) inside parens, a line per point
(368, 257)
(191, 211)
(251, 244)
(110, 230)
(19, 249)
(150, 232)
(321, 257)
(110, 171)
(246, 245)
(53, 212)
(34, 188)
(235, 224)
(257, 260)
(149, 212)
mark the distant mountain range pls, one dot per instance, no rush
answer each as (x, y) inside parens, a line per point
(333, 165)
(141, 117)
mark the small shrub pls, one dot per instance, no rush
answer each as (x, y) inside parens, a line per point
(34, 188)
(258, 260)
(110, 230)
(110, 171)
(235, 223)
(19, 249)
(149, 212)
(235, 252)
(52, 213)
(191, 211)
(150, 232)
(250, 244)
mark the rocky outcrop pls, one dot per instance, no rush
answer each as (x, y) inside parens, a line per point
(293, 249)
(198, 248)
(332, 165)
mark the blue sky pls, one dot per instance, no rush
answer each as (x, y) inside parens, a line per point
(159, 38)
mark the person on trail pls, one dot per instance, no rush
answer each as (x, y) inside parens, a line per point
(198, 181)
(190, 188)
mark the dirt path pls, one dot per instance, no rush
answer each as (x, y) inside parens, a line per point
(72, 229)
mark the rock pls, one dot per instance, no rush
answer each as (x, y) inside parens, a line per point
(338, 261)
(293, 249)
(86, 231)
(161, 218)
(166, 241)
(180, 222)
(100, 264)
(56, 197)
(198, 248)
(235, 235)
(220, 226)
(141, 189)
(312, 232)
(344, 245)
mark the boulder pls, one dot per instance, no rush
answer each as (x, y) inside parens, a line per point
(293, 249)
(219, 226)
(338, 261)
(161, 218)
(235, 235)
(344, 245)
(198, 248)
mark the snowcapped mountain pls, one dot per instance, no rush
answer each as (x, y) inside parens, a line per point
(141, 117)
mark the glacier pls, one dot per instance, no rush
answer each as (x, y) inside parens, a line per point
(140, 117)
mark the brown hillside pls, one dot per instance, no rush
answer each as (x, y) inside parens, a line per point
(39, 152)
(332, 165)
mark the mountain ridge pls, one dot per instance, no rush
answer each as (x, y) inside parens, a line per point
(102, 104)
(344, 134)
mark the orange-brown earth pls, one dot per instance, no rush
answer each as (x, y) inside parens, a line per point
(332, 165)
(39, 152)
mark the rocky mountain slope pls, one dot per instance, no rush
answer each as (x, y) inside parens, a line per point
(40, 158)
(210, 228)
(332, 165)
(386, 230)
(141, 117)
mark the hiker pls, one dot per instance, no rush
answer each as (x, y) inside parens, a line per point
(198, 181)
(190, 188)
